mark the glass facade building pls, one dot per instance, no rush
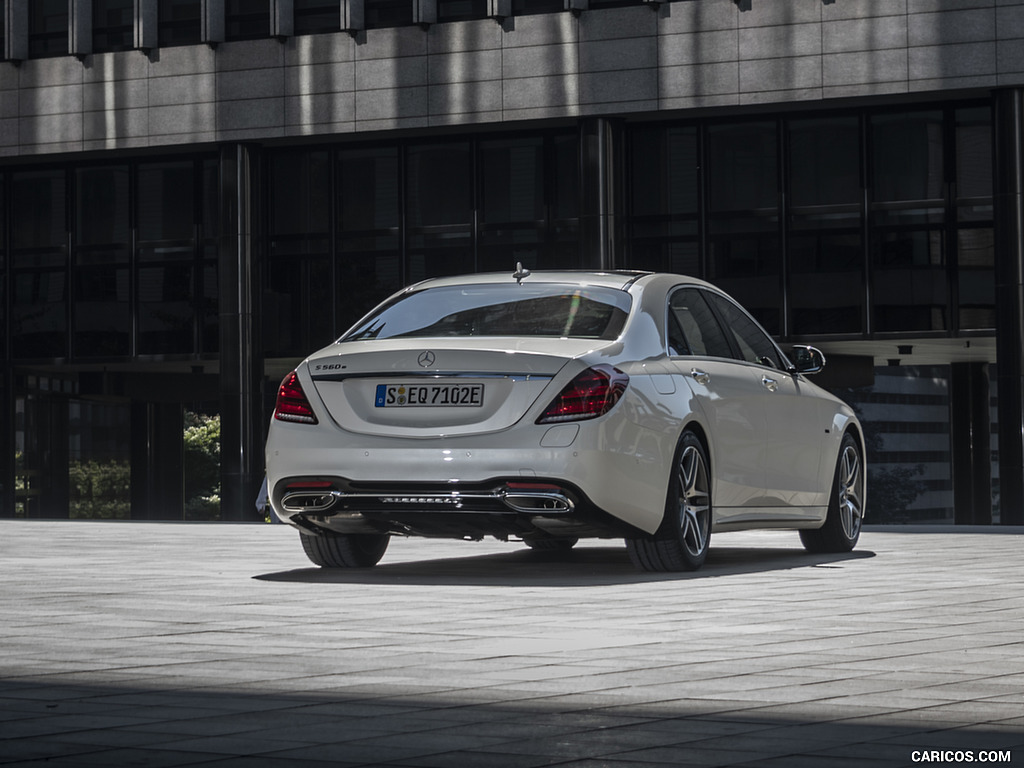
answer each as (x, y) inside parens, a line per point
(301, 161)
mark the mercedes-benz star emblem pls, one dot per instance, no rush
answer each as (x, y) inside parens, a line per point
(426, 359)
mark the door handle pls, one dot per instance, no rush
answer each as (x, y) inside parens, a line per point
(701, 377)
(770, 384)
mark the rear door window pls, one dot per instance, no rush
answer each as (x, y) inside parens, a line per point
(693, 328)
(752, 343)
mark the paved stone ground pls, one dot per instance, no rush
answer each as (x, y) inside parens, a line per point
(161, 644)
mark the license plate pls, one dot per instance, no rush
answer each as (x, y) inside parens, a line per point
(429, 395)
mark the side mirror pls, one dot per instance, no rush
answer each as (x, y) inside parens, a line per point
(808, 359)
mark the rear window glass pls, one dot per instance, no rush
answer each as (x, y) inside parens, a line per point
(590, 312)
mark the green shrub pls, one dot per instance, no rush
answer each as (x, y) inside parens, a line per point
(202, 466)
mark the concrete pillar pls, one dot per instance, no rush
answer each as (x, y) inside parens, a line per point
(146, 24)
(6, 433)
(424, 12)
(80, 27)
(970, 435)
(213, 21)
(241, 359)
(157, 463)
(16, 30)
(1008, 197)
(600, 191)
(282, 18)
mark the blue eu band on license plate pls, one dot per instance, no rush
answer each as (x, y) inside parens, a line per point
(429, 395)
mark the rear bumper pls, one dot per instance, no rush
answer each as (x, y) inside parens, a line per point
(607, 465)
(501, 507)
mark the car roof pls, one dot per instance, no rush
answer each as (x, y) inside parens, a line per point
(620, 279)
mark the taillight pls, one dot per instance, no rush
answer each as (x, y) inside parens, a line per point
(292, 403)
(589, 395)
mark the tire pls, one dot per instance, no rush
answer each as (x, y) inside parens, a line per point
(841, 530)
(550, 545)
(355, 550)
(681, 543)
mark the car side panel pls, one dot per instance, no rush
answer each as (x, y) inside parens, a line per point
(799, 424)
(733, 406)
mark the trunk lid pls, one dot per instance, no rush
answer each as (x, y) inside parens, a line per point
(438, 387)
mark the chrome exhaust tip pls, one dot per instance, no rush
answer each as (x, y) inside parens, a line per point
(537, 501)
(308, 501)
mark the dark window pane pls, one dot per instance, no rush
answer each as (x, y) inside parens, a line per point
(440, 211)
(38, 217)
(312, 16)
(368, 194)
(297, 307)
(911, 287)
(39, 313)
(102, 212)
(3, 283)
(366, 278)
(513, 211)
(179, 22)
(439, 185)
(437, 253)
(907, 156)
(502, 246)
(211, 200)
(976, 282)
(826, 280)
(666, 171)
(387, 13)
(744, 217)
(566, 181)
(974, 152)
(526, 7)
(743, 160)
(112, 25)
(664, 200)
(101, 312)
(166, 309)
(208, 303)
(664, 253)
(596, 4)
(369, 264)
(825, 245)
(246, 19)
(825, 161)
(166, 201)
(512, 177)
(461, 10)
(47, 28)
(747, 267)
(300, 193)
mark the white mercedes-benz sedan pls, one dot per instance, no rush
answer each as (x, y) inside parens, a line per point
(553, 406)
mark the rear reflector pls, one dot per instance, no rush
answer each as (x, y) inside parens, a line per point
(591, 394)
(292, 403)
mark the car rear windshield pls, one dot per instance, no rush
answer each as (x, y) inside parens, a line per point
(583, 312)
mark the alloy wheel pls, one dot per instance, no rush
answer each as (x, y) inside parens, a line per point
(850, 504)
(694, 501)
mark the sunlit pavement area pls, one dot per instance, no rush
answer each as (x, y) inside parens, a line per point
(162, 644)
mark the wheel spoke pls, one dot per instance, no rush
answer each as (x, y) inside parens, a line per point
(850, 508)
(694, 502)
